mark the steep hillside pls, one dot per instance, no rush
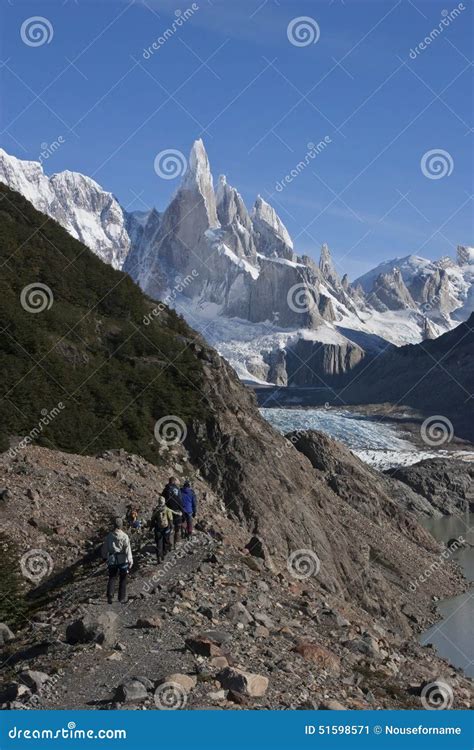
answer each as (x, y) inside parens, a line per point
(436, 377)
(79, 366)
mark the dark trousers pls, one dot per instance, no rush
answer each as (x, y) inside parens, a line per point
(122, 572)
(162, 543)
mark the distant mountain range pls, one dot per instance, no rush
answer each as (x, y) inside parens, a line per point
(235, 275)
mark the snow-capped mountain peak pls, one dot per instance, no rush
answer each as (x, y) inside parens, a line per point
(270, 308)
(89, 213)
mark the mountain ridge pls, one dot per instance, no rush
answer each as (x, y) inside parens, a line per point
(242, 266)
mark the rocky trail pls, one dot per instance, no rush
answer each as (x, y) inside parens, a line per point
(212, 627)
(223, 623)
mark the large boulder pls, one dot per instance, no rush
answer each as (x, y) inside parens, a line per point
(246, 683)
(92, 628)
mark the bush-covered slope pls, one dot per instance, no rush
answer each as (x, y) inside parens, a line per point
(89, 350)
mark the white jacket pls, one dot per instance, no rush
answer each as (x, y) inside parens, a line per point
(116, 548)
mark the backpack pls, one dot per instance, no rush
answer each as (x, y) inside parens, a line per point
(160, 518)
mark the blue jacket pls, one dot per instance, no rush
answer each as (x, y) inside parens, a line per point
(188, 498)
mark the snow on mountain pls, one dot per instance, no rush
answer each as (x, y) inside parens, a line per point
(441, 290)
(75, 201)
(409, 266)
(276, 316)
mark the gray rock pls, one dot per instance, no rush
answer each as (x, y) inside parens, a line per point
(245, 683)
(148, 684)
(263, 619)
(131, 691)
(238, 613)
(6, 635)
(34, 680)
(100, 628)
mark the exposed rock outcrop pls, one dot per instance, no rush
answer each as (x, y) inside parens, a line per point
(447, 484)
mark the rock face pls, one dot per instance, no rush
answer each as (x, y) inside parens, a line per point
(357, 483)
(272, 237)
(308, 360)
(448, 485)
(390, 293)
(79, 204)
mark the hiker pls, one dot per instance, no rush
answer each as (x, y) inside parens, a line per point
(189, 502)
(162, 522)
(132, 518)
(117, 552)
(173, 499)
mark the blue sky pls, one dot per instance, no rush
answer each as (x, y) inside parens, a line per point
(230, 75)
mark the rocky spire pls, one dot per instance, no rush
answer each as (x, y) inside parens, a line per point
(390, 292)
(235, 220)
(273, 238)
(198, 177)
(230, 206)
(327, 267)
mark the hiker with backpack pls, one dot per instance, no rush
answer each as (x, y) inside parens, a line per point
(189, 502)
(174, 501)
(117, 552)
(162, 522)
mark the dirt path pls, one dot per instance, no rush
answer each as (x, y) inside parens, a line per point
(93, 673)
